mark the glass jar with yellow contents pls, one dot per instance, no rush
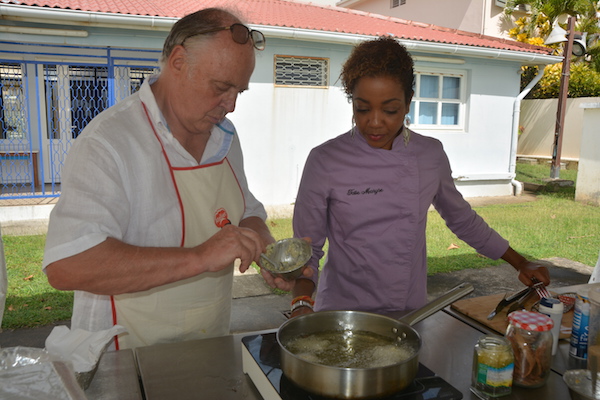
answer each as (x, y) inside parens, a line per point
(493, 365)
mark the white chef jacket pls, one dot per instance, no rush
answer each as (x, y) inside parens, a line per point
(116, 183)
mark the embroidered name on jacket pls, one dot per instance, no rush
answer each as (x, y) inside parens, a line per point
(354, 192)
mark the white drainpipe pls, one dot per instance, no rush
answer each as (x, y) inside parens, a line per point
(515, 130)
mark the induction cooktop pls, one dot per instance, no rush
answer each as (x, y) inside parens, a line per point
(261, 361)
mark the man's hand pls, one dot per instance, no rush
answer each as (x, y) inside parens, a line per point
(229, 244)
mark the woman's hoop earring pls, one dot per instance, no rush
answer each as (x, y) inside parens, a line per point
(406, 131)
(406, 135)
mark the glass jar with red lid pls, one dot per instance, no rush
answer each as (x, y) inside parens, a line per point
(530, 336)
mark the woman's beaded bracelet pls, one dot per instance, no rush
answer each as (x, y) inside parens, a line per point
(301, 303)
(303, 298)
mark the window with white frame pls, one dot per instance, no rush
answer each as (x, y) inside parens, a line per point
(439, 100)
(301, 71)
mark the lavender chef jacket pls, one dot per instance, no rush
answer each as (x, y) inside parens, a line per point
(371, 204)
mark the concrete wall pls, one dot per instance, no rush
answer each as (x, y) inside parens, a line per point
(478, 16)
(538, 119)
(587, 189)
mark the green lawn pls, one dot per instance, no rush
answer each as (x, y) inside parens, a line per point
(552, 226)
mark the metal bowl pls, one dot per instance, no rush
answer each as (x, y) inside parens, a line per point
(579, 382)
(290, 254)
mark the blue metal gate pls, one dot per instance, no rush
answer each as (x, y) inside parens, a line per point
(44, 106)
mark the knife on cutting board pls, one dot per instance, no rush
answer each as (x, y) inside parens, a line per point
(506, 301)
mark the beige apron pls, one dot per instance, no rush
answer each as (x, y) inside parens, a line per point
(198, 307)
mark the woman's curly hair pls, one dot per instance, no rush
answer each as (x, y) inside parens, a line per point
(384, 56)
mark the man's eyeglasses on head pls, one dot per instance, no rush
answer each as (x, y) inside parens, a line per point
(239, 33)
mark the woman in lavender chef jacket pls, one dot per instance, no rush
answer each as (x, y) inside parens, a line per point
(368, 192)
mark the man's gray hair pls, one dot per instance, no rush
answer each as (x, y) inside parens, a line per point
(191, 24)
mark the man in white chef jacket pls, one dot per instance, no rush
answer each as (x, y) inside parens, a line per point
(155, 207)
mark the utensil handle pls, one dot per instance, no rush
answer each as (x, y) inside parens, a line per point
(439, 303)
(517, 295)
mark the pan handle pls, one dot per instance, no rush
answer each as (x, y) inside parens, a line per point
(439, 303)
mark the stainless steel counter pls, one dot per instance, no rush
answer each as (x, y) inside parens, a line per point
(448, 351)
(200, 369)
(116, 378)
(213, 367)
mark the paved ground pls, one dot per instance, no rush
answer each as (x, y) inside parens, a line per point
(255, 307)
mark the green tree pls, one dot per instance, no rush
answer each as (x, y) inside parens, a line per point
(535, 26)
(543, 13)
(584, 81)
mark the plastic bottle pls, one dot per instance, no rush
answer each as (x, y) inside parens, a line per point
(581, 319)
(554, 309)
(593, 360)
(493, 366)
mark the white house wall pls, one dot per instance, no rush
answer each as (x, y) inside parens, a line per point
(276, 144)
(278, 126)
(480, 155)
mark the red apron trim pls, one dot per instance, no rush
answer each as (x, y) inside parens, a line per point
(172, 175)
(238, 183)
(112, 299)
(198, 166)
(114, 316)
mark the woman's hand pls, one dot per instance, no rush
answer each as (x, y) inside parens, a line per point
(530, 270)
(282, 284)
(526, 268)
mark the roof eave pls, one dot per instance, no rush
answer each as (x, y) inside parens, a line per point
(127, 21)
(523, 57)
(84, 18)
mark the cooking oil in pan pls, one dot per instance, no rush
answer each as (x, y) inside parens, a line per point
(350, 349)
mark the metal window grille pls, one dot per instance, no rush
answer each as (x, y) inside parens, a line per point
(301, 71)
(129, 80)
(44, 106)
(13, 120)
(16, 157)
(75, 94)
(396, 3)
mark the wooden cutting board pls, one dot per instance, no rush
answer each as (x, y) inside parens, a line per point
(478, 308)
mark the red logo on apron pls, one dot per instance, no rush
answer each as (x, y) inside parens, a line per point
(221, 218)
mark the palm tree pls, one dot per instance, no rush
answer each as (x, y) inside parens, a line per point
(537, 24)
(544, 13)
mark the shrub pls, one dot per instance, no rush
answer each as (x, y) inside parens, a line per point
(584, 81)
